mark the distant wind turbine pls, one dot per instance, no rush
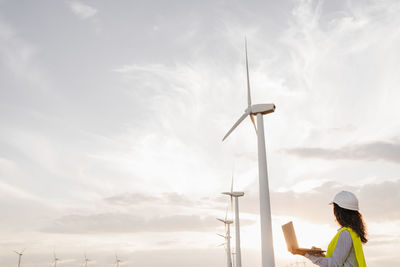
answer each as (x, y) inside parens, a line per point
(227, 224)
(19, 256)
(236, 195)
(86, 260)
(117, 260)
(267, 249)
(55, 259)
(226, 241)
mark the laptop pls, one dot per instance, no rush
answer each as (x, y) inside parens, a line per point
(291, 240)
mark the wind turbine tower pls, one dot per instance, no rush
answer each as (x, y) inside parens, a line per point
(227, 224)
(259, 110)
(19, 256)
(236, 195)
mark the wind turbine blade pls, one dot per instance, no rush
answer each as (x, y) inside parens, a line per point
(254, 123)
(248, 79)
(236, 124)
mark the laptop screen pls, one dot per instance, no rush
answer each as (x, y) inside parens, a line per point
(290, 236)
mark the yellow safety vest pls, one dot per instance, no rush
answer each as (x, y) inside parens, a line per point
(356, 244)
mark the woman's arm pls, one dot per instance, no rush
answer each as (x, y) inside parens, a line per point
(342, 251)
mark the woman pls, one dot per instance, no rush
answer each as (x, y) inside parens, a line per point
(345, 248)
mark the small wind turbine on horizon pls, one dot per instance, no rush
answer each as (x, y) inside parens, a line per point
(55, 259)
(236, 195)
(86, 260)
(227, 237)
(19, 256)
(267, 249)
(117, 260)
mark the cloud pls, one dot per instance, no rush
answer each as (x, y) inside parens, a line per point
(377, 202)
(125, 223)
(83, 11)
(379, 150)
(130, 199)
(19, 57)
(19, 206)
(171, 199)
(136, 213)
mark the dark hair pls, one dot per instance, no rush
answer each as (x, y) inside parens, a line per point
(352, 219)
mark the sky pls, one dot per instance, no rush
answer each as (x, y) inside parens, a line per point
(112, 115)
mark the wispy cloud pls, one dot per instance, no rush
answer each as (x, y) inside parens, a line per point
(82, 10)
(20, 59)
(379, 150)
(125, 223)
(167, 199)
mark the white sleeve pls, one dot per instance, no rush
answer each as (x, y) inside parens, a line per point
(341, 252)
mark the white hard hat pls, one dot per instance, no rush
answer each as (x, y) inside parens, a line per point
(346, 200)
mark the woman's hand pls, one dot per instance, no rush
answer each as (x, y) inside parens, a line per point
(303, 252)
(318, 254)
(298, 252)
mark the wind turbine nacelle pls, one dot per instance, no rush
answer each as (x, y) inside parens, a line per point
(225, 221)
(234, 194)
(262, 108)
(238, 194)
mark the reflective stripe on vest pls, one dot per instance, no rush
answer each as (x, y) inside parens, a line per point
(356, 244)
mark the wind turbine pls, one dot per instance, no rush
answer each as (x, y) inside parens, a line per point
(267, 249)
(86, 260)
(117, 260)
(19, 256)
(226, 241)
(55, 259)
(227, 224)
(236, 195)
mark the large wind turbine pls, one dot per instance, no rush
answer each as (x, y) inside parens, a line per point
(267, 249)
(236, 195)
(19, 256)
(227, 224)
